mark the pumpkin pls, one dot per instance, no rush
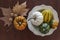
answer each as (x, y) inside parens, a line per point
(37, 18)
(44, 28)
(20, 23)
(54, 24)
(47, 14)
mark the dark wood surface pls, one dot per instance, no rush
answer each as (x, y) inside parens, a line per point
(14, 34)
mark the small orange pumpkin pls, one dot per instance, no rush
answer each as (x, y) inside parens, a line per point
(20, 23)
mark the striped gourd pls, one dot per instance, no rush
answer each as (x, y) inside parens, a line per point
(47, 14)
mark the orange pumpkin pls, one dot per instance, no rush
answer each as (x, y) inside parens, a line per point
(20, 23)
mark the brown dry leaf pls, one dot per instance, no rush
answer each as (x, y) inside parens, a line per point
(7, 16)
(20, 9)
(17, 10)
(6, 11)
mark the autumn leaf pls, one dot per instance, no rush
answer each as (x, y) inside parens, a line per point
(20, 9)
(7, 16)
(6, 11)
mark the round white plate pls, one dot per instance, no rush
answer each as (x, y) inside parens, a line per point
(36, 8)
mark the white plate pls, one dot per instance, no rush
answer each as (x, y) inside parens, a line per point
(36, 8)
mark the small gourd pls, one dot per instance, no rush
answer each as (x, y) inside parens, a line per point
(37, 18)
(44, 28)
(20, 23)
(47, 14)
(54, 24)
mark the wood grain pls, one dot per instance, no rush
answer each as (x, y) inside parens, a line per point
(14, 34)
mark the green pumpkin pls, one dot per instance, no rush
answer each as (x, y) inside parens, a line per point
(44, 28)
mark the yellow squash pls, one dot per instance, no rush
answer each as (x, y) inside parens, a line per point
(47, 14)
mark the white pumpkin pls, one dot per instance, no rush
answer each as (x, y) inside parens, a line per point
(37, 18)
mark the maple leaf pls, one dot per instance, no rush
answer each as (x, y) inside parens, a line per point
(17, 10)
(7, 16)
(20, 9)
(6, 11)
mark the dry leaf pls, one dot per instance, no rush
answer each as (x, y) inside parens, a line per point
(6, 11)
(17, 10)
(7, 16)
(20, 9)
(6, 20)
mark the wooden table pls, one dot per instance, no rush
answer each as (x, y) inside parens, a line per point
(14, 34)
